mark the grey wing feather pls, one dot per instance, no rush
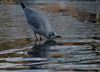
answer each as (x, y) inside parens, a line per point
(34, 22)
(33, 18)
(38, 21)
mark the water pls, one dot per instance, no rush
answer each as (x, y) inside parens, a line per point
(77, 51)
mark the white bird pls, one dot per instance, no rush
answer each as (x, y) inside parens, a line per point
(39, 23)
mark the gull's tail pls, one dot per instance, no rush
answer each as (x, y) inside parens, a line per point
(23, 6)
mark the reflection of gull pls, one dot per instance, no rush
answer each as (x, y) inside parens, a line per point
(41, 50)
(39, 23)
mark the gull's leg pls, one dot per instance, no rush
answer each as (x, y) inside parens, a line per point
(36, 36)
(40, 38)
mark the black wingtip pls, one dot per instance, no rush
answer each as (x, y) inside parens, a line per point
(23, 6)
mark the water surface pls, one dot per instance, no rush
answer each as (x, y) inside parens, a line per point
(77, 51)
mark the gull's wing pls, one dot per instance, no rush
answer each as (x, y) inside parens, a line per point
(33, 18)
(37, 20)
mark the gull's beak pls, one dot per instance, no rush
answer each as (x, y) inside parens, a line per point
(58, 36)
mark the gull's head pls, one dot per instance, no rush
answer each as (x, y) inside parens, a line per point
(53, 35)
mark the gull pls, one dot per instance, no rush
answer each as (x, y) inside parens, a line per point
(39, 23)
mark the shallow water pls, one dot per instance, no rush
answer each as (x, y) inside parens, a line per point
(77, 51)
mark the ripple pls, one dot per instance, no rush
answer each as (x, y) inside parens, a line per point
(23, 59)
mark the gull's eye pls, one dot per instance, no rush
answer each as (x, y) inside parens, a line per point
(52, 34)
